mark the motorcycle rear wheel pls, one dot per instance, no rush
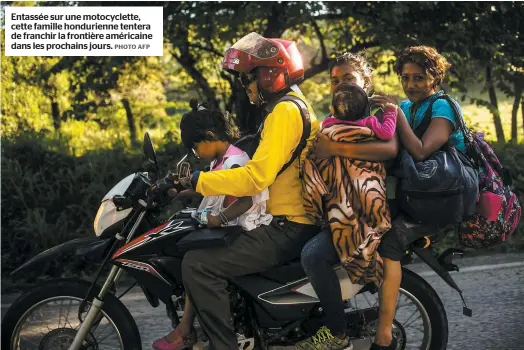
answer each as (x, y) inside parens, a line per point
(416, 298)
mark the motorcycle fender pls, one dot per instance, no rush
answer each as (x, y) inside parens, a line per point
(88, 246)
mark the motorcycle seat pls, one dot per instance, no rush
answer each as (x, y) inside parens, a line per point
(286, 272)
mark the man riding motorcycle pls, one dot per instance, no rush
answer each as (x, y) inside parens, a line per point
(269, 69)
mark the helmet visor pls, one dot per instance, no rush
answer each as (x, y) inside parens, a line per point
(256, 45)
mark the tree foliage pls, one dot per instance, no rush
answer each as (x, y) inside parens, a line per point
(482, 40)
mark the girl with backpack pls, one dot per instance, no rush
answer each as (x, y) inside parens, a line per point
(431, 132)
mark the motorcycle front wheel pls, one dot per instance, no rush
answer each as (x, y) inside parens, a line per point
(46, 318)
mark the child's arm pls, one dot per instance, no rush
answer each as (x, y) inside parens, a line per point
(239, 207)
(386, 129)
(185, 194)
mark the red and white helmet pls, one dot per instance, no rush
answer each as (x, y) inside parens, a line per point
(278, 61)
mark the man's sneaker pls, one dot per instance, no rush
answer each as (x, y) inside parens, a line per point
(324, 340)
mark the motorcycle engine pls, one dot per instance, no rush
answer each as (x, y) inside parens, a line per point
(239, 312)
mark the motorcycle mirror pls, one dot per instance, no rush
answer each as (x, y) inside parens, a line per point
(183, 168)
(180, 163)
(149, 150)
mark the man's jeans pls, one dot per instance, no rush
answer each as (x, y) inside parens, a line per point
(206, 272)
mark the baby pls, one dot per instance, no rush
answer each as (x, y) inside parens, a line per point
(350, 106)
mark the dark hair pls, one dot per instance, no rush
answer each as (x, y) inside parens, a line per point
(350, 102)
(196, 123)
(426, 58)
(358, 62)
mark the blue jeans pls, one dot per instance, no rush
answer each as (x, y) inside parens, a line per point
(318, 257)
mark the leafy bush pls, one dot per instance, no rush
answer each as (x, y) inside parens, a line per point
(49, 197)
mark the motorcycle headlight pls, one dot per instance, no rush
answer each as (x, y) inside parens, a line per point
(108, 216)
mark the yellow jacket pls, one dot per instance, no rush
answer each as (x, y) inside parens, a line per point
(280, 136)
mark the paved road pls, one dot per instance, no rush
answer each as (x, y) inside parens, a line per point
(493, 286)
(496, 295)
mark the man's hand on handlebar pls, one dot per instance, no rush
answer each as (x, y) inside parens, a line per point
(170, 186)
(165, 190)
(163, 185)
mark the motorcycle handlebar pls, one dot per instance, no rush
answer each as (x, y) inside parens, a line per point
(163, 198)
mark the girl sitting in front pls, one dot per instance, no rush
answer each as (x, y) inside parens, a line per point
(209, 134)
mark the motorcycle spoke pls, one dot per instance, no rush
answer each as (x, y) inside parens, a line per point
(418, 329)
(67, 316)
(400, 305)
(100, 330)
(409, 324)
(409, 318)
(52, 318)
(60, 316)
(101, 340)
(70, 325)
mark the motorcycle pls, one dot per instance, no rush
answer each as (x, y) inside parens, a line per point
(271, 310)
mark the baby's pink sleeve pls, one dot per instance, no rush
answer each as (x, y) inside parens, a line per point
(386, 129)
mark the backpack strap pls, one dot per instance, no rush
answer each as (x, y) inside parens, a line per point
(306, 129)
(254, 140)
(460, 122)
(421, 129)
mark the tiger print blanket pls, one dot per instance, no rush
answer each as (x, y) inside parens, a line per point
(350, 196)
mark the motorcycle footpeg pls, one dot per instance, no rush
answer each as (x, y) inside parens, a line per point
(451, 267)
(445, 259)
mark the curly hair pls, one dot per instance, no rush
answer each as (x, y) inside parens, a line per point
(427, 58)
(349, 102)
(358, 62)
(196, 123)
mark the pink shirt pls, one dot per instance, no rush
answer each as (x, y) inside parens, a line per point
(232, 151)
(384, 130)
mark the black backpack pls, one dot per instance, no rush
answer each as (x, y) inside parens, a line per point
(249, 143)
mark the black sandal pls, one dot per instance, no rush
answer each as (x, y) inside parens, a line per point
(391, 346)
